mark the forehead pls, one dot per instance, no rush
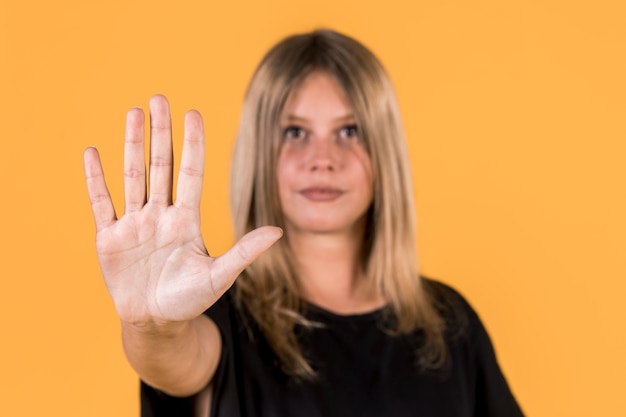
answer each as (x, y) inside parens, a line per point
(319, 95)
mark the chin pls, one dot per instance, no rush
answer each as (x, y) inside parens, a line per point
(323, 226)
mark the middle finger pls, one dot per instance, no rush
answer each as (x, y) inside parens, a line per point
(161, 158)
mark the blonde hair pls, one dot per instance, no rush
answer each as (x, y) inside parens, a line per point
(268, 289)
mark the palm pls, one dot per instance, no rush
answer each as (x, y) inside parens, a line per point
(153, 259)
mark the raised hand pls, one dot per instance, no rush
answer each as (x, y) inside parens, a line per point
(153, 258)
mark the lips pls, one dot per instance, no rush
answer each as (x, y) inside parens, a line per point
(321, 193)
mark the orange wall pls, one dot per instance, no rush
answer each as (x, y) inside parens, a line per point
(515, 115)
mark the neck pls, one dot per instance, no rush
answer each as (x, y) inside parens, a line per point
(330, 272)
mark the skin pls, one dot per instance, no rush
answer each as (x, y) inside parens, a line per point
(324, 172)
(153, 258)
(325, 186)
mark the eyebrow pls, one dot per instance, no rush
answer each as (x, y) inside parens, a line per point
(295, 118)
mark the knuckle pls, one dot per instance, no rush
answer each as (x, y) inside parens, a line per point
(243, 253)
(160, 126)
(159, 197)
(191, 171)
(133, 173)
(160, 161)
(98, 198)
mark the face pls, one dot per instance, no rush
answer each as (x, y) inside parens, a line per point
(324, 172)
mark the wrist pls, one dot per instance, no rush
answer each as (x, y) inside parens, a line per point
(155, 328)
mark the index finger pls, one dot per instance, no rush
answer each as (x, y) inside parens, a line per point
(161, 158)
(191, 173)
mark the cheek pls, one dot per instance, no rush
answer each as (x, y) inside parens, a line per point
(284, 174)
(289, 161)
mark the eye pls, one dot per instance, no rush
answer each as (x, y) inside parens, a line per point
(294, 132)
(349, 132)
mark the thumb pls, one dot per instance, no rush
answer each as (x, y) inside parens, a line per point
(243, 253)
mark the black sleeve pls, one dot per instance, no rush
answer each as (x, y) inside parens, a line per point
(155, 403)
(493, 395)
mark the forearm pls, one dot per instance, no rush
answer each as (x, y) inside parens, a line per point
(177, 358)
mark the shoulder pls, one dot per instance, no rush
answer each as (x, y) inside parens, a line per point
(443, 295)
(449, 303)
(471, 345)
(464, 329)
(460, 318)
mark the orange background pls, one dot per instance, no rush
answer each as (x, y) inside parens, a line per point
(515, 116)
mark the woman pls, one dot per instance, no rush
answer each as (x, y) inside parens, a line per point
(333, 319)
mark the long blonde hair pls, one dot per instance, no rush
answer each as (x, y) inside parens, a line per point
(268, 289)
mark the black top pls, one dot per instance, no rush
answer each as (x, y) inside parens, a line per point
(363, 371)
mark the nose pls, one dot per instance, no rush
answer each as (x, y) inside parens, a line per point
(323, 156)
